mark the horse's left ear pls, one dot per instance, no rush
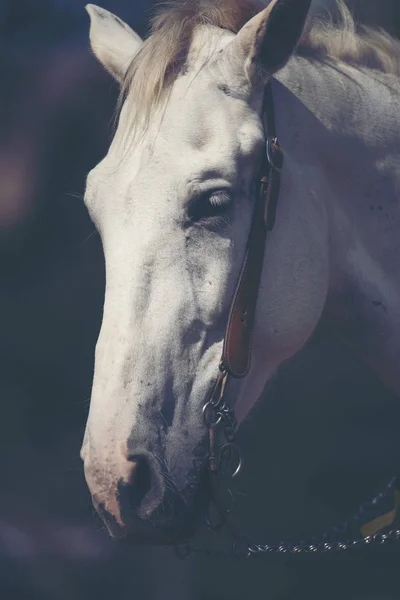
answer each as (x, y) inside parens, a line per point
(268, 40)
(113, 42)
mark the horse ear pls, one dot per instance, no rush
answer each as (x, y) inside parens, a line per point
(268, 40)
(113, 42)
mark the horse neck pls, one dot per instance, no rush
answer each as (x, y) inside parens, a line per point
(347, 128)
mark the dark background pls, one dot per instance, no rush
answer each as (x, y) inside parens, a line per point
(330, 431)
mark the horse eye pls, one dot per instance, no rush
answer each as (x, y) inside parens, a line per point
(207, 205)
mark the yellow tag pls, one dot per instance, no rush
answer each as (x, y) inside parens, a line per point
(383, 521)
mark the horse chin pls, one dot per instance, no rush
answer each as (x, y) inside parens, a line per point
(170, 536)
(173, 533)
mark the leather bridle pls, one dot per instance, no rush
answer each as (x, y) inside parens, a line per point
(236, 353)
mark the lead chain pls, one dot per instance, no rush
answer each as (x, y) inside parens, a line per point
(323, 547)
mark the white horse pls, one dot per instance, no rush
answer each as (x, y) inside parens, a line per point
(173, 201)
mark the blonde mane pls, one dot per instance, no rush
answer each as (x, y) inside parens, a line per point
(362, 47)
(163, 55)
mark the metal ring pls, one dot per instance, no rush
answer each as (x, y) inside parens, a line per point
(235, 448)
(208, 409)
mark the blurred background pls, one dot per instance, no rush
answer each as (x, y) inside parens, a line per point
(331, 430)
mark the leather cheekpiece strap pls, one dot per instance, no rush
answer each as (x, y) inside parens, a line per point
(236, 356)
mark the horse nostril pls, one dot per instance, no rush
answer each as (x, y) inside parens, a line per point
(140, 481)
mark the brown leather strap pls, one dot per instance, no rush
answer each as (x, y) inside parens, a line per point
(236, 356)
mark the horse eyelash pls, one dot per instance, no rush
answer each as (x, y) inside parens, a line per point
(218, 198)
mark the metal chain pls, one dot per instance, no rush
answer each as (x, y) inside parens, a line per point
(324, 547)
(254, 550)
(218, 414)
(329, 542)
(324, 544)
